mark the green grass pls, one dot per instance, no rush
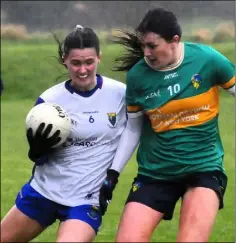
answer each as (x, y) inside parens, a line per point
(27, 70)
(210, 22)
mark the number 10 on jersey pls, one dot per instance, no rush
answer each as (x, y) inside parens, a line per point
(174, 89)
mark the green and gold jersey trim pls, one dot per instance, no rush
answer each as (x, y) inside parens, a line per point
(133, 109)
(182, 113)
(229, 84)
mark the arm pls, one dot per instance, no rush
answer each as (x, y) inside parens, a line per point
(132, 132)
(224, 72)
(128, 143)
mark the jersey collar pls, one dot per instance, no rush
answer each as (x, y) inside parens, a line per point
(85, 93)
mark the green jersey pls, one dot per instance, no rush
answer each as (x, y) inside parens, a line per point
(180, 132)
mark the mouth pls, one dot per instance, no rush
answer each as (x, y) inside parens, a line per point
(152, 60)
(82, 76)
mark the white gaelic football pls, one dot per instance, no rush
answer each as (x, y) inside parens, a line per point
(50, 114)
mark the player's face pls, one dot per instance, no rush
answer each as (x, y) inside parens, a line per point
(158, 52)
(82, 67)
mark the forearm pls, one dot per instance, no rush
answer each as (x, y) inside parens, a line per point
(128, 143)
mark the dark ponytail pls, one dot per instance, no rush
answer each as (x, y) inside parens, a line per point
(60, 50)
(134, 53)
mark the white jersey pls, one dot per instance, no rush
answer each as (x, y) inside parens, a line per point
(75, 172)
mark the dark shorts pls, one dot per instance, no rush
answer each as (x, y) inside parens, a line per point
(46, 212)
(163, 195)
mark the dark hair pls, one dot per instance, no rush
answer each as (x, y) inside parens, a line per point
(133, 47)
(157, 20)
(80, 37)
(161, 22)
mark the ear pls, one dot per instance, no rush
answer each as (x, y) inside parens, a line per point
(175, 39)
(99, 57)
(63, 58)
(63, 61)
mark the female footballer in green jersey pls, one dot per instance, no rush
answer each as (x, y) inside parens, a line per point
(173, 107)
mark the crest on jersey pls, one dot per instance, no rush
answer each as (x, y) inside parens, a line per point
(136, 186)
(112, 118)
(196, 80)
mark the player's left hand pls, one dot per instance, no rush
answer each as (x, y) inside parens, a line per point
(107, 188)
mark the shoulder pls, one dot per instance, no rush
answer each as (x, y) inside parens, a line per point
(137, 71)
(113, 90)
(137, 74)
(205, 52)
(198, 48)
(53, 92)
(113, 85)
(138, 68)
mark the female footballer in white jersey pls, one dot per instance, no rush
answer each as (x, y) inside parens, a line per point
(66, 182)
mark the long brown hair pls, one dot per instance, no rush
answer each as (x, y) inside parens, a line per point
(134, 52)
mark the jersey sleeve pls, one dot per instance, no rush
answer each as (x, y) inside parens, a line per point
(46, 96)
(39, 101)
(225, 71)
(128, 142)
(134, 108)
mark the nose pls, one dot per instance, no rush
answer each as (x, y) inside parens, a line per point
(147, 52)
(82, 69)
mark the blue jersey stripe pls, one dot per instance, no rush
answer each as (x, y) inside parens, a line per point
(39, 101)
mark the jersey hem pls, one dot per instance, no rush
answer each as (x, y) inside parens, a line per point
(171, 177)
(62, 202)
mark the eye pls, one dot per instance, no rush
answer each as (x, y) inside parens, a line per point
(151, 46)
(75, 63)
(90, 61)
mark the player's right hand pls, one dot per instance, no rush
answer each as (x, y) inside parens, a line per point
(40, 145)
